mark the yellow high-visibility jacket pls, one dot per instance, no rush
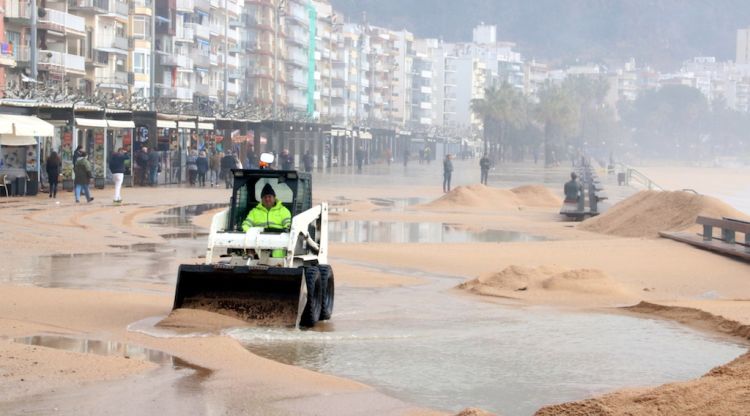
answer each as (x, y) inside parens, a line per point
(277, 217)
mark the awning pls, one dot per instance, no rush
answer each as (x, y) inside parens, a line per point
(11, 140)
(25, 126)
(6, 125)
(120, 124)
(205, 126)
(186, 124)
(90, 122)
(166, 124)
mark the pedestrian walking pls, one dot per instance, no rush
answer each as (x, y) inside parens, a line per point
(214, 164)
(360, 155)
(447, 172)
(154, 167)
(286, 160)
(83, 175)
(141, 168)
(117, 167)
(228, 163)
(52, 166)
(202, 164)
(192, 167)
(484, 166)
(307, 161)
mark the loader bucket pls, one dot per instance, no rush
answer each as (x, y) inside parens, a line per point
(264, 296)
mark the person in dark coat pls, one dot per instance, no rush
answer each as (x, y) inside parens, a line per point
(484, 166)
(52, 167)
(447, 172)
(84, 172)
(141, 160)
(228, 162)
(202, 163)
(286, 160)
(154, 166)
(77, 154)
(307, 161)
(117, 167)
(360, 156)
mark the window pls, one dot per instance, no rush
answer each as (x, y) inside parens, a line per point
(139, 63)
(141, 27)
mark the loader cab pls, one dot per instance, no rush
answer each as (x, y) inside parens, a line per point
(293, 189)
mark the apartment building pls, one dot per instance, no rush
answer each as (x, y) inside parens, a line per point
(62, 41)
(260, 39)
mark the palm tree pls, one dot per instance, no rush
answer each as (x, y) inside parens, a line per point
(558, 113)
(500, 109)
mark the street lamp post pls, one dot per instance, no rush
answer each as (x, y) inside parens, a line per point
(278, 9)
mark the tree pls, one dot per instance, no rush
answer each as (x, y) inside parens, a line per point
(558, 113)
(501, 109)
(669, 122)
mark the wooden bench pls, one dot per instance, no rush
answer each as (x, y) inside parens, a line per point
(725, 244)
(729, 228)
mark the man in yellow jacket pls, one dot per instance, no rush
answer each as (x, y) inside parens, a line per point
(269, 213)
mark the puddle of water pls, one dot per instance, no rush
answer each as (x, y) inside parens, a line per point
(182, 216)
(356, 231)
(104, 348)
(428, 346)
(137, 267)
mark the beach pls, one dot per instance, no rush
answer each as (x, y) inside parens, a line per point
(602, 265)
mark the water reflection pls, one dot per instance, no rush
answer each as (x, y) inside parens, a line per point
(430, 347)
(356, 231)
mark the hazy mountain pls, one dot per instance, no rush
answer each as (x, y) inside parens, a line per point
(661, 32)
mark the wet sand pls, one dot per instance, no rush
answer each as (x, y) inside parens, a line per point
(238, 382)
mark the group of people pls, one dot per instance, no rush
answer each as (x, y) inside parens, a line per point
(484, 167)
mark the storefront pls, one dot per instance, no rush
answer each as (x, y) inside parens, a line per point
(20, 151)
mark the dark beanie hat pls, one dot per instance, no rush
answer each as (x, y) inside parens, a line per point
(267, 190)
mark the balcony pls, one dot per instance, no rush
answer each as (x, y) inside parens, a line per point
(115, 80)
(200, 59)
(108, 41)
(233, 34)
(234, 8)
(233, 61)
(204, 5)
(186, 6)
(90, 6)
(59, 62)
(213, 59)
(184, 34)
(202, 89)
(178, 93)
(233, 88)
(17, 11)
(22, 53)
(201, 31)
(181, 61)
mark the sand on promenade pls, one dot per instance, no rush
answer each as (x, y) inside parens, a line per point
(575, 268)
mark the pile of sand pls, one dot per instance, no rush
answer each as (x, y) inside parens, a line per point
(520, 281)
(648, 212)
(481, 196)
(722, 391)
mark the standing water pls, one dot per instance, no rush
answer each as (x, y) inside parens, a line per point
(436, 348)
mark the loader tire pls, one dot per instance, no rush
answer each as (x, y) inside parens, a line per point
(327, 283)
(311, 314)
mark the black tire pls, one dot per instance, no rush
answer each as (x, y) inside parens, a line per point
(326, 278)
(311, 314)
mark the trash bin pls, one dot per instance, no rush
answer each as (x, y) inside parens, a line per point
(19, 188)
(32, 185)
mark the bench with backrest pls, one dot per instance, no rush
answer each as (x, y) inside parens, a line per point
(729, 228)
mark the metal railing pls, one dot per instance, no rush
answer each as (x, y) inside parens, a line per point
(634, 175)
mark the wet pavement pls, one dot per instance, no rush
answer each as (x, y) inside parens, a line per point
(424, 344)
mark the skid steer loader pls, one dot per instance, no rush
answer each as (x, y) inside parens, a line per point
(269, 277)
